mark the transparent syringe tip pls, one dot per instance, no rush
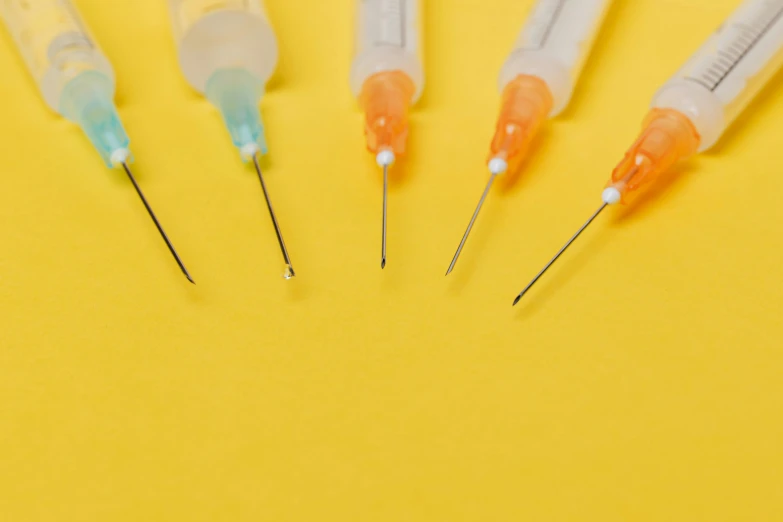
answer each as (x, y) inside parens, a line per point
(236, 94)
(87, 101)
(526, 104)
(385, 100)
(667, 137)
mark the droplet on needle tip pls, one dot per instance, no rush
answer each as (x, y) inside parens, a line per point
(289, 273)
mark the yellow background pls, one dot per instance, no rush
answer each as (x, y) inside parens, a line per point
(640, 381)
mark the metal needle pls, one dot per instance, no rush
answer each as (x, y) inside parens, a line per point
(385, 202)
(289, 271)
(552, 262)
(157, 223)
(472, 222)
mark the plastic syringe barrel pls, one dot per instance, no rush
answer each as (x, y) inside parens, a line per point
(227, 51)
(539, 77)
(388, 39)
(387, 75)
(554, 45)
(75, 79)
(728, 71)
(693, 110)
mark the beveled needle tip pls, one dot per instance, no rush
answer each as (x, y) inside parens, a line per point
(289, 271)
(560, 253)
(162, 232)
(385, 214)
(472, 222)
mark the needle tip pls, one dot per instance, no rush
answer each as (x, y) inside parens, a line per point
(516, 301)
(472, 222)
(289, 269)
(157, 223)
(383, 263)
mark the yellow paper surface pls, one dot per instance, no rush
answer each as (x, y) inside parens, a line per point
(640, 380)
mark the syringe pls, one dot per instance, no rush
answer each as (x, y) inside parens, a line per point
(538, 80)
(75, 79)
(693, 110)
(387, 77)
(227, 52)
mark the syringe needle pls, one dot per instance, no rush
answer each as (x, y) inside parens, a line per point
(472, 222)
(385, 202)
(289, 270)
(157, 223)
(560, 253)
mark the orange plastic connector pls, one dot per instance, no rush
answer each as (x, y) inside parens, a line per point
(385, 100)
(668, 137)
(526, 103)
